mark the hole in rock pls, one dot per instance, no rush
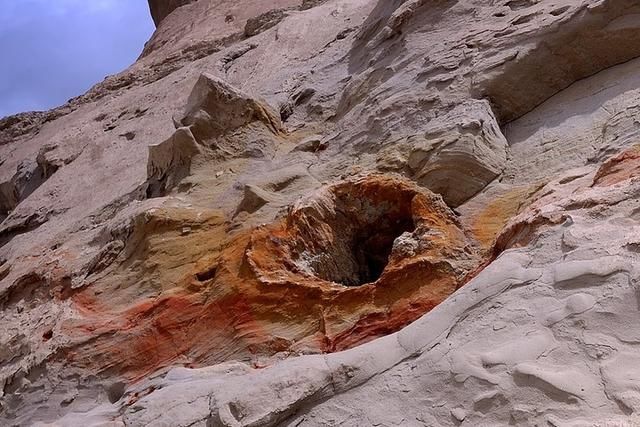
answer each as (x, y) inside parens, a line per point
(377, 241)
(208, 274)
(520, 4)
(559, 11)
(362, 247)
(115, 391)
(353, 231)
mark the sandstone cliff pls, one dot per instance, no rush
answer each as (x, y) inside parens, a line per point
(339, 212)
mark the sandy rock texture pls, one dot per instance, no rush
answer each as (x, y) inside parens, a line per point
(338, 212)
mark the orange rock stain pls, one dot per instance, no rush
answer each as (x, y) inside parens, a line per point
(207, 297)
(621, 167)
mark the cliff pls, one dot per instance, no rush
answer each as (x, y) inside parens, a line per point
(340, 212)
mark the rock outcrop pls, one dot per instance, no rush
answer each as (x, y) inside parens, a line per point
(160, 9)
(340, 212)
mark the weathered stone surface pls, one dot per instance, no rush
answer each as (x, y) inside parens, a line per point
(160, 9)
(591, 38)
(321, 314)
(367, 213)
(460, 154)
(215, 109)
(170, 161)
(263, 22)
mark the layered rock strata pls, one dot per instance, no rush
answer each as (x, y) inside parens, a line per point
(332, 213)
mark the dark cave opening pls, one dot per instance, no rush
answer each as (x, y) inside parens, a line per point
(358, 234)
(372, 247)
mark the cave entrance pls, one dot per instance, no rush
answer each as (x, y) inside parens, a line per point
(371, 249)
(354, 235)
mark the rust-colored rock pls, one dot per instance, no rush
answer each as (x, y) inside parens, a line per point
(352, 262)
(372, 254)
(489, 223)
(621, 167)
(157, 261)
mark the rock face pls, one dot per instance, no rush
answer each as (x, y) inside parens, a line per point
(341, 212)
(160, 9)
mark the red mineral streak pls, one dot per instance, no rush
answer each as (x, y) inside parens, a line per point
(621, 167)
(178, 328)
(260, 292)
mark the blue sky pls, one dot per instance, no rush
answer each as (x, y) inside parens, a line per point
(53, 50)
